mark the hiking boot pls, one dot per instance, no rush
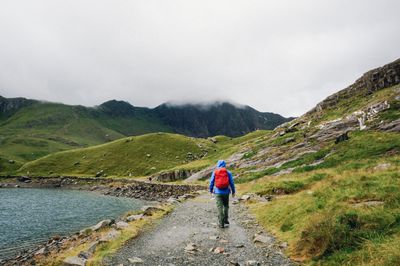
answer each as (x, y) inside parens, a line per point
(226, 222)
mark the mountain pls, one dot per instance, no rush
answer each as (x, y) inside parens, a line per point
(220, 118)
(30, 129)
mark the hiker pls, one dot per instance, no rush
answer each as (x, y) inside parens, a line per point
(221, 184)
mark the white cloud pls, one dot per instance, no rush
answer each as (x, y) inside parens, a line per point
(280, 56)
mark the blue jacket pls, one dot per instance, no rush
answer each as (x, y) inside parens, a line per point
(220, 164)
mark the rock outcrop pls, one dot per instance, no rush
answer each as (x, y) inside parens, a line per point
(374, 80)
(9, 106)
(171, 176)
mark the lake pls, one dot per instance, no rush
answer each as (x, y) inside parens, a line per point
(30, 216)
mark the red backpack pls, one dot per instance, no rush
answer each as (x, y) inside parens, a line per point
(221, 178)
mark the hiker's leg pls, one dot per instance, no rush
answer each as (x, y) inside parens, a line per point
(226, 208)
(220, 205)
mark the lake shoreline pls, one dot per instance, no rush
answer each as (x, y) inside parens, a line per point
(119, 187)
(149, 191)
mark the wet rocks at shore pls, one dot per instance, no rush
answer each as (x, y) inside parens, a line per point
(136, 189)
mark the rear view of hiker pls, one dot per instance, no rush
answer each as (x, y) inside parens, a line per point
(221, 184)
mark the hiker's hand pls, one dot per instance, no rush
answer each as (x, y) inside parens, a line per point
(233, 195)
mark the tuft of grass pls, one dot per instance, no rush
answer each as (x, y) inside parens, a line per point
(355, 153)
(256, 175)
(280, 187)
(8, 166)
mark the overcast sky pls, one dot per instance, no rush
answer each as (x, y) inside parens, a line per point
(279, 56)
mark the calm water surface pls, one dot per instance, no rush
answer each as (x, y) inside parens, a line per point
(30, 216)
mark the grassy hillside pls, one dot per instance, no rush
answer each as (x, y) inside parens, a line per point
(135, 156)
(42, 128)
(344, 211)
(30, 129)
(334, 203)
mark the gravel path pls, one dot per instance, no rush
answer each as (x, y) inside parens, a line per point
(193, 225)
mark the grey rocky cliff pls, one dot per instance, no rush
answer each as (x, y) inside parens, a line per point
(372, 81)
(9, 106)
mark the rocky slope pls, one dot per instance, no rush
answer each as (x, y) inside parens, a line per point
(372, 103)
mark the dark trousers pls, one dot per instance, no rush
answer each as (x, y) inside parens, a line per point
(223, 207)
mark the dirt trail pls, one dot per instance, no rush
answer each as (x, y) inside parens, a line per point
(194, 221)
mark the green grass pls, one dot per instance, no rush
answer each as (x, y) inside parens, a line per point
(136, 156)
(321, 210)
(363, 145)
(8, 168)
(392, 113)
(316, 210)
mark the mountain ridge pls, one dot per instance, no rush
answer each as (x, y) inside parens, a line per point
(39, 127)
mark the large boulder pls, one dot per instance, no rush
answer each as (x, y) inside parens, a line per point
(330, 130)
(393, 126)
(101, 224)
(149, 210)
(135, 217)
(121, 225)
(111, 235)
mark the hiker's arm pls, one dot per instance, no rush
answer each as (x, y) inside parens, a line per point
(212, 180)
(232, 183)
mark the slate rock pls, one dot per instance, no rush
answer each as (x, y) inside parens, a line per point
(245, 197)
(101, 224)
(135, 217)
(262, 239)
(135, 260)
(74, 261)
(252, 263)
(121, 225)
(149, 210)
(112, 234)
